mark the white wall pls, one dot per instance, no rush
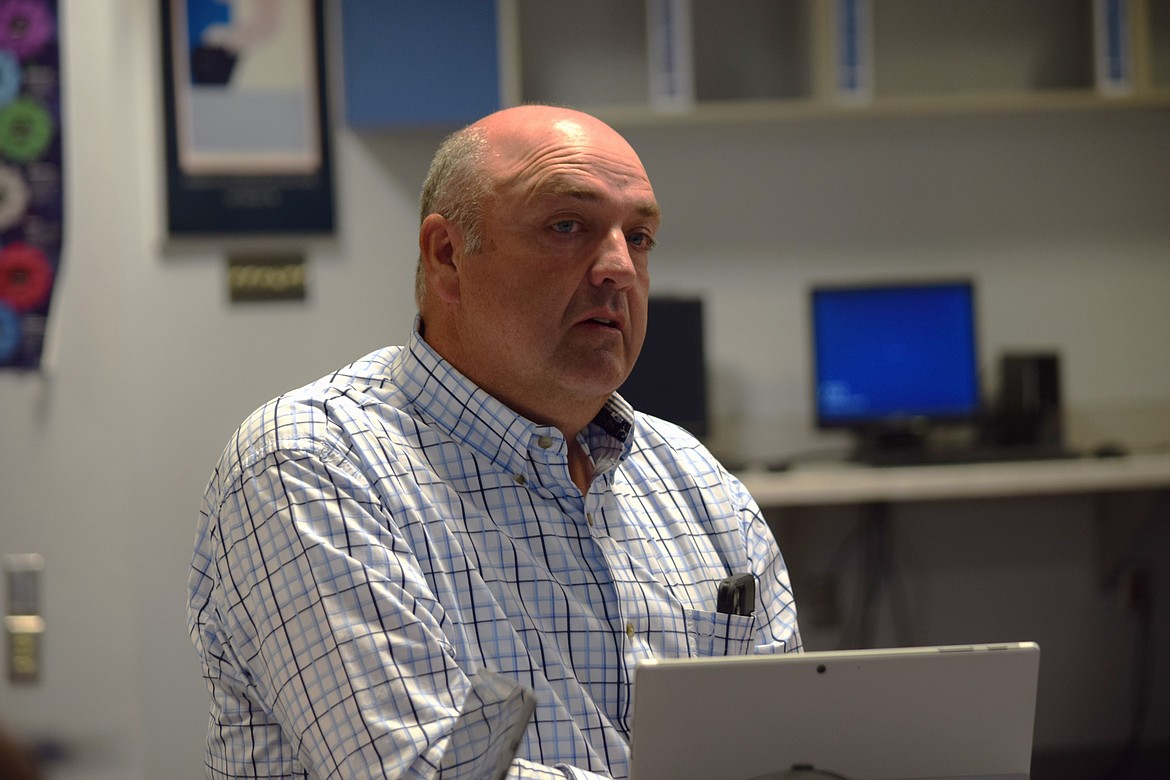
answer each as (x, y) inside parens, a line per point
(1064, 219)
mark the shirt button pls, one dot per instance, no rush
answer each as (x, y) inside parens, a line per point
(519, 479)
(544, 442)
(630, 630)
(589, 518)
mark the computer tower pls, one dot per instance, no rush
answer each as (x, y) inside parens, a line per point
(670, 378)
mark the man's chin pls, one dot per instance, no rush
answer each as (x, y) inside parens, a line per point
(595, 388)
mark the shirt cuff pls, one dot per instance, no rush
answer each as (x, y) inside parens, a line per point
(573, 773)
(495, 717)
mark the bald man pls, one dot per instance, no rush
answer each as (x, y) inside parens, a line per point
(447, 558)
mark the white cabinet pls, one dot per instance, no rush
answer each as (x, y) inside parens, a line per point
(731, 60)
(1154, 49)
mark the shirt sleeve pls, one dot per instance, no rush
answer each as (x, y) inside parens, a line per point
(322, 616)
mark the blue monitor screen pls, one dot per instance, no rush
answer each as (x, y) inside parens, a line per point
(884, 354)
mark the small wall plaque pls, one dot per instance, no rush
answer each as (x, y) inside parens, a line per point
(266, 278)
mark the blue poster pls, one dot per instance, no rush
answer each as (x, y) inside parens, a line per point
(31, 194)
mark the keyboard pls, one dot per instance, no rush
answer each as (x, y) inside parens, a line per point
(975, 454)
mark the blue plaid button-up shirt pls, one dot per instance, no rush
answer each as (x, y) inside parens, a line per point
(384, 557)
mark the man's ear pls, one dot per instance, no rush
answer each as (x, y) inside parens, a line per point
(440, 245)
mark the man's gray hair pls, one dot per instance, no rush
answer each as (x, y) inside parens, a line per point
(458, 188)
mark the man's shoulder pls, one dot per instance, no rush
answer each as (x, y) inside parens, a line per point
(377, 370)
(316, 415)
(655, 433)
(667, 452)
(662, 448)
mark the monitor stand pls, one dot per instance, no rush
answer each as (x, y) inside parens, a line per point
(922, 444)
(880, 445)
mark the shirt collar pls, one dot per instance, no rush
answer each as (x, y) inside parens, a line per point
(451, 402)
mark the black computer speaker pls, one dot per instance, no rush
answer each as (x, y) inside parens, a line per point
(1029, 408)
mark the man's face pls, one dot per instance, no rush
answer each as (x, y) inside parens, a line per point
(552, 311)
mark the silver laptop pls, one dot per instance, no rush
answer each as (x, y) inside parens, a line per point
(927, 712)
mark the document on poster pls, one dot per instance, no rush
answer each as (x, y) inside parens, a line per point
(246, 91)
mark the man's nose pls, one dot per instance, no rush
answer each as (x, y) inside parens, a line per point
(614, 262)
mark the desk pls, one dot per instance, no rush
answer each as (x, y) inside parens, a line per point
(820, 485)
(1119, 518)
(1127, 499)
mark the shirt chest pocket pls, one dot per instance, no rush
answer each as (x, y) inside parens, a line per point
(716, 633)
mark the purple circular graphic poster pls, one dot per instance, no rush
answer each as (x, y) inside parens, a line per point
(31, 180)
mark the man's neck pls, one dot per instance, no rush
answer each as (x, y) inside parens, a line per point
(580, 465)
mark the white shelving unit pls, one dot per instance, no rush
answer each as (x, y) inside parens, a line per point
(416, 63)
(1153, 50)
(761, 59)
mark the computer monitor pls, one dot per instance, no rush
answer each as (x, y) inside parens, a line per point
(670, 378)
(892, 359)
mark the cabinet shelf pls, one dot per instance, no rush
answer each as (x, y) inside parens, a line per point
(767, 111)
(752, 60)
(928, 47)
(1154, 48)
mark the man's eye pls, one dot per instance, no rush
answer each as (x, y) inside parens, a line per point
(564, 226)
(642, 241)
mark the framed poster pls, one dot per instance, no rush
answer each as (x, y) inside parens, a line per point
(247, 130)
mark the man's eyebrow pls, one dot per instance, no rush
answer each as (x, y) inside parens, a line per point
(568, 189)
(559, 188)
(650, 210)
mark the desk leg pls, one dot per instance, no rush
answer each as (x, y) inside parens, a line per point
(843, 561)
(879, 576)
(1121, 521)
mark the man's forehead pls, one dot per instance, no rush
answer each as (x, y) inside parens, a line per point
(564, 186)
(561, 156)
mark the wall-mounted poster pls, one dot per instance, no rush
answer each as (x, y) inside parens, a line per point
(247, 133)
(31, 194)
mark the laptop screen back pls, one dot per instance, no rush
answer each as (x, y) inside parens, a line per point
(943, 712)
